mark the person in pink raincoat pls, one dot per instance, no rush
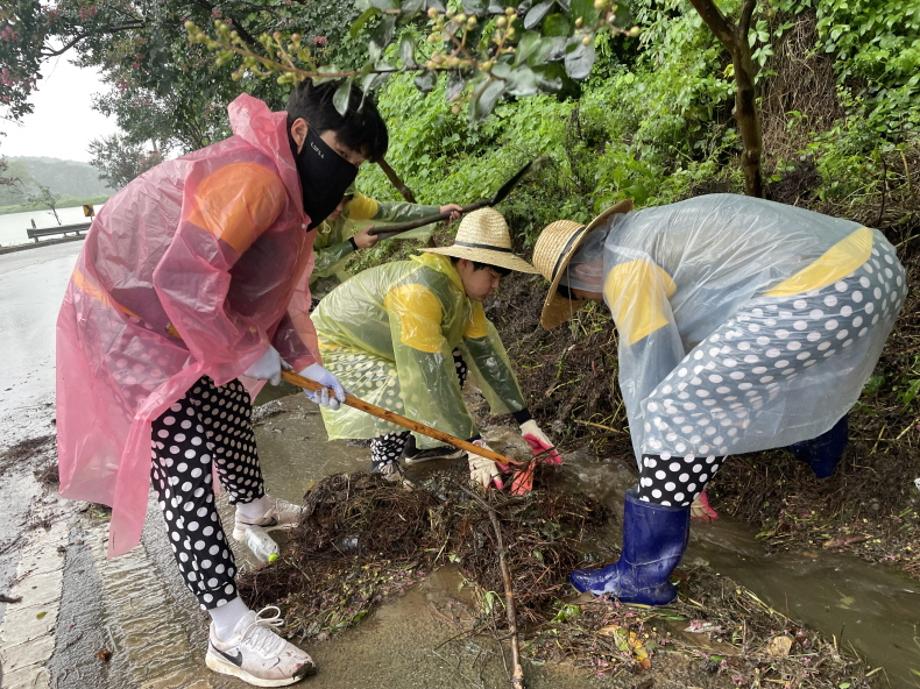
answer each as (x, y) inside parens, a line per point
(182, 287)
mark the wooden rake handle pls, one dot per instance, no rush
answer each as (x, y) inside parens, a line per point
(404, 421)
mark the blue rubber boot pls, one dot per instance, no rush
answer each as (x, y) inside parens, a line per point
(654, 540)
(823, 453)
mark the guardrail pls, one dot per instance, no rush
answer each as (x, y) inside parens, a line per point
(76, 229)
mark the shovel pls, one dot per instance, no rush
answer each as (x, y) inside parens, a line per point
(398, 228)
(412, 425)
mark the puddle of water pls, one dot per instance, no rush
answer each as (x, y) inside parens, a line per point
(871, 607)
(874, 608)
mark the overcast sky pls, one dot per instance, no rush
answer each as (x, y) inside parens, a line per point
(63, 122)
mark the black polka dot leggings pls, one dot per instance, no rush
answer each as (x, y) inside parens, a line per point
(210, 427)
(674, 481)
(387, 449)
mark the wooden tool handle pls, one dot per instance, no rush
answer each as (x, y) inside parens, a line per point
(403, 421)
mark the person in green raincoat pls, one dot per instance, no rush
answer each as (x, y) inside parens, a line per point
(404, 334)
(345, 231)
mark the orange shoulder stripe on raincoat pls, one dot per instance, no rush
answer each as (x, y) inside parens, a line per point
(237, 201)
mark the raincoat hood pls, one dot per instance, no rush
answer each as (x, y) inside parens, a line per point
(267, 131)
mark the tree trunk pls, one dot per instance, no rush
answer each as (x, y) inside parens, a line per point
(748, 119)
(735, 38)
(396, 181)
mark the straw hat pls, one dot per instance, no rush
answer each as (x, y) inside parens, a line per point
(483, 236)
(555, 247)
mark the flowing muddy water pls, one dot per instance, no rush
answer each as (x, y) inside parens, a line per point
(873, 608)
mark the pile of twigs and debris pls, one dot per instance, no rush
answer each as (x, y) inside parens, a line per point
(363, 539)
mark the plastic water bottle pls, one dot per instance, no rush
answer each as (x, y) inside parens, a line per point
(260, 544)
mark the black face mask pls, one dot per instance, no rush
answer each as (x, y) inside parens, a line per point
(324, 177)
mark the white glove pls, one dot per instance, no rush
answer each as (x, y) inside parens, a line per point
(539, 443)
(483, 471)
(323, 377)
(267, 367)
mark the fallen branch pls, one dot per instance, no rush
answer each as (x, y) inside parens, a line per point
(517, 673)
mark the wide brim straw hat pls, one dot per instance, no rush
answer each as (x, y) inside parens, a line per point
(483, 237)
(555, 247)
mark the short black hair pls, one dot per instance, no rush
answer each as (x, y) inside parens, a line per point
(501, 270)
(361, 128)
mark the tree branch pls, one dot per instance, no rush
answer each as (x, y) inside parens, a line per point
(744, 23)
(50, 52)
(716, 21)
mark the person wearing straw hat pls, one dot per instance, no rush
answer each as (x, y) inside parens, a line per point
(743, 325)
(402, 336)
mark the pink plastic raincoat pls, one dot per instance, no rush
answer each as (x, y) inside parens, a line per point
(188, 271)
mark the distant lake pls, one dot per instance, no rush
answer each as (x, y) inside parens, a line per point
(13, 225)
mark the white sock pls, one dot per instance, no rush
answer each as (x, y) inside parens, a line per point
(251, 511)
(226, 616)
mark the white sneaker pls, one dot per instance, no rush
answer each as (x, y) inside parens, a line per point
(280, 515)
(256, 654)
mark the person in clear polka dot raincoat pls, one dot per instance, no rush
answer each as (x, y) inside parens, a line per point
(743, 325)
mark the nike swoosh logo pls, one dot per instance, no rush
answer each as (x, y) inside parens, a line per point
(235, 659)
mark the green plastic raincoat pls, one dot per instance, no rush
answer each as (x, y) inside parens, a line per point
(389, 332)
(332, 246)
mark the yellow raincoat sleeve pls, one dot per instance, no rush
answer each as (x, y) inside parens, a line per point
(331, 248)
(424, 361)
(489, 364)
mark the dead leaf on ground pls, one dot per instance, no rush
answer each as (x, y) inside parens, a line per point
(779, 646)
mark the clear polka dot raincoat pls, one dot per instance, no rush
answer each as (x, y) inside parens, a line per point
(743, 324)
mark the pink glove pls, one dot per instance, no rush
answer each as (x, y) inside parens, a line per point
(539, 443)
(701, 509)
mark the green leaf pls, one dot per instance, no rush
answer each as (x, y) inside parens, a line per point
(910, 394)
(489, 601)
(407, 52)
(557, 24)
(550, 76)
(426, 81)
(362, 19)
(455, 85)
(527, 46)
(474, 6)
(567, 612)
(585, 10)
(485, 97)
(578, 62)
(342, 96)
(523, 82)
(536, 13)
(383, 33)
